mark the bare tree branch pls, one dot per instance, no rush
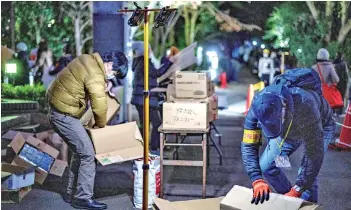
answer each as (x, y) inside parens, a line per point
(344, 12)
(171, 26)
(313, 10)
(72, 4)
(344, 31)
(69, 13)
(328, 14)
(82, 8)
(85, 24)
(85, 40)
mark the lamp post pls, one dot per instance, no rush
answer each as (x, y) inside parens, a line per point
(163, 19)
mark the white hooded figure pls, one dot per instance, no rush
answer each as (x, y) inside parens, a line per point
(266, 68)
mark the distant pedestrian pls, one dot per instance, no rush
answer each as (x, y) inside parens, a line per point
(343, 73)
(64, 60)
(266, 68)
(44, 64)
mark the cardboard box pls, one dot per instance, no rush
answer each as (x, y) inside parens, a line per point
(239, 198)
(15, 177)
(201, 204)
(113, 108)
(33, 152)
(14, 196)
(118, 143)
(54, 140)
(212, 100)
(185, 115)
(192, 85)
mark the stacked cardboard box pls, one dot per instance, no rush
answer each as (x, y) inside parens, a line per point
(191, 102)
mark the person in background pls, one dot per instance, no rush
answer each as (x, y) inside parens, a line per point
(155, 97)
(64, 60)
(276, 63)
(343, 74)
(44, 64)
(326, 68)
(85, 79)
(23, 68)
(266, 68)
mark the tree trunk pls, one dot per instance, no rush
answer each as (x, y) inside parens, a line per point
(193, 26)
(343, 32)
(77, 36)
(187, 26)
(12, 25)
(328, 14)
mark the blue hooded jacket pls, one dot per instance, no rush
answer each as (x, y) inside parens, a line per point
(312, 123)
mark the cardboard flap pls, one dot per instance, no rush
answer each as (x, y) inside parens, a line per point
(58, 167)
(121, 155)
(17, 142)
(43, 147)
(112, 138)
(14, 169)
(203, 204)
(240, 198)
(45, 135)
(163, 204)
(11, 134)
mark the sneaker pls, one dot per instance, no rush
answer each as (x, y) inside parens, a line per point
(67, 198)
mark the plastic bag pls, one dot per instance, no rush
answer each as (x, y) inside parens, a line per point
(154, 181)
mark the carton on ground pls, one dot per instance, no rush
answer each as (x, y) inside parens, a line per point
(192, 85)
(54, 140)
(118, 143)
(15, 177)
(239, 198)
(34, 152)
(14, 196)
(185, 115)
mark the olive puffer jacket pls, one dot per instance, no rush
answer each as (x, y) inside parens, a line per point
(82, 80)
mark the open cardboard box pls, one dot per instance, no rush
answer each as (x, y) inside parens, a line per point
(238, 198)
(117, 143)
(113, 108)
(57, 167)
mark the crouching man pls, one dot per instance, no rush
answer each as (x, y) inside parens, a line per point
(84, 79)
(289, 117)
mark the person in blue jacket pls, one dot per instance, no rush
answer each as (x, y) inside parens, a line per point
(155, 97)
(289, 117)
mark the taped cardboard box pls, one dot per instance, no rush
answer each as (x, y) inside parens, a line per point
(201, 204)
(212, 100)
(113, 108)
(118, 143)
(34, 152)
(239, 198)
(185, 115)
(15, 177)
(192, 85)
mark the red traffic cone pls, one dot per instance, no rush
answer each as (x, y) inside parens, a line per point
(223, 78)
(344, 142)
(250, 95)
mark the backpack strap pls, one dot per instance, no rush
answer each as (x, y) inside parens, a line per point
(320, 73)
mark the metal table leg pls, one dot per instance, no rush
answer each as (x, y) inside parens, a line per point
(161, 162)
(204, 158)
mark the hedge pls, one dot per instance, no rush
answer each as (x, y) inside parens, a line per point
(25, 92)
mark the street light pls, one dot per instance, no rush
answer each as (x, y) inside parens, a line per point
(299, 50)
(10, 69)
(263, 46)
(162, 19)
(254, 43)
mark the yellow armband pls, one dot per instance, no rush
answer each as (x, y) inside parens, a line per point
(252, 136)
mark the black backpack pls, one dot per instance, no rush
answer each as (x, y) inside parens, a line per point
(307, 79)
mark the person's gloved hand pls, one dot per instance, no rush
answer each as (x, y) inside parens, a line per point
(260, 191)
(293, 193)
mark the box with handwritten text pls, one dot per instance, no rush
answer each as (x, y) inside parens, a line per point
(185, 115)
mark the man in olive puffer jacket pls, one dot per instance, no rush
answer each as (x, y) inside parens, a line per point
(84, 79)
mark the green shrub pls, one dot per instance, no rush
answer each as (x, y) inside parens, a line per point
(25, 92)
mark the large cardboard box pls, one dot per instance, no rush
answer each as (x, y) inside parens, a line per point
(118, 143)
(54, 140)
(34, 152)
(15, 177)
(192, 85)
(239, 198)
(185, 115)
(113, 108)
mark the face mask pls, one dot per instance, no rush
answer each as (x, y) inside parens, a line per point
(110, 76)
